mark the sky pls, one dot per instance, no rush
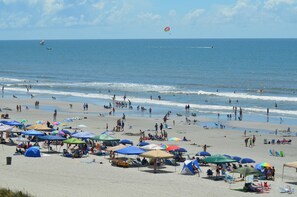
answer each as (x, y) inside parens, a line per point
(136, 19)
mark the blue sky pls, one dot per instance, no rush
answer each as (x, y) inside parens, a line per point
(116, 19)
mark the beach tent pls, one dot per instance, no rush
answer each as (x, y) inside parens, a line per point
(188, 167)
(52, 138)
(289, 165)
(33, 152)
(130, 150)
(73, 141)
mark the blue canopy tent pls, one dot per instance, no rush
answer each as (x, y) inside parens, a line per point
(33, 152)
(188, 167)
(51, 138)
(130, 150)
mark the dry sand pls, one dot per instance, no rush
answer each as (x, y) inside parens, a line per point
(54, 175)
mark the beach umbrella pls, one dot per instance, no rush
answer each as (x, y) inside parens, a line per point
(84, 135)
(39, 127)
(114, 148)
(236, 158)
(152, 147)
(172, 147)
(130, 150)
(12, 123)
(40, 122)
(33, 151)
(4, 127)
(174, 139)
(259, 166)
(156, 154)
(246, 171)
(218, 159)
(56, 123)
(56, 132)
(181, 150)
(246, 160)
(143, 143)
(66, 132)
(203, 153)
(227, 156)
(23, 120)
(125, 141)
(163, 146)
(52, 138)
(104, 137)
(73, 141)
(32, 133)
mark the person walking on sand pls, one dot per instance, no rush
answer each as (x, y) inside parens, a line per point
(251, 143)
(254, 140)
(246, 140)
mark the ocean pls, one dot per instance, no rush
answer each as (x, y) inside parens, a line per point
(211, 75)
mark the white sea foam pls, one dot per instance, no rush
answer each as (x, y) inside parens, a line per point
(4, 79)
(214, 108)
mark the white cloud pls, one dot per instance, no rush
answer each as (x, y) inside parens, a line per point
(52, 6)
(230, 11)
(149, 17)
(270, 4)
(172, 13)
(192, 16)
(100, 5)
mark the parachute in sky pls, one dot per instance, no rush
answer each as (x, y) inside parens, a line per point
(167, 29)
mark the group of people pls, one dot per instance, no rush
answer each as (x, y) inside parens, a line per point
(250, 141)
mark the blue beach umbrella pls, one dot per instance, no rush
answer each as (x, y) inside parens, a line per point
(143, 144)
(125, 141)
(236, 158)
(227, 156)
(203, 153)
(181, 150)
(32, 133)
(246, 160)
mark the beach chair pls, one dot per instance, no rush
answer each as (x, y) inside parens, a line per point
(265, 141)
(229, 179)
(273, 141)
(282, 154)
(277, 154)
(271, 152)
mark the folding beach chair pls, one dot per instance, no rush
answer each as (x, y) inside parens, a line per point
(271, 152)
(282, 154)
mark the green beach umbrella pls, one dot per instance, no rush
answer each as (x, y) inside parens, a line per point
(246, 171)
(218, 159)
(73, 141)
(104, 137)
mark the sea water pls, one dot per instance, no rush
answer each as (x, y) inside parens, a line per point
(211, 75)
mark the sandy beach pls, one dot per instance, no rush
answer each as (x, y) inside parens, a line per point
(55, 175)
